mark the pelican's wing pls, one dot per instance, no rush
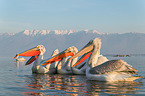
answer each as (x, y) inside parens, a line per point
(113, 66)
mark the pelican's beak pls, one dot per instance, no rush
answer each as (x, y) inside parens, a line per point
(33, 58)
(83, 58)
(58, 57)
(86, 49)
(31, 52)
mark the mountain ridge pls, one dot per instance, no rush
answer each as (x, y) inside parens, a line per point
(56, 32)
(60, 32)
(113, 43)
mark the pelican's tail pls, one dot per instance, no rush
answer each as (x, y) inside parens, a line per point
(132, 78)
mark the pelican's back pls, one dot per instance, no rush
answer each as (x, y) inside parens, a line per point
(113, 66)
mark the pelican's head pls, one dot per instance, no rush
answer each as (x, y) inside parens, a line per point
(68, 52)
(94, 44)
(38, 50)
(55, 52)
(97, 42)
(42, 49)
(72, 49)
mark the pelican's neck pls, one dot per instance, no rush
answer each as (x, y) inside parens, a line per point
(56, 64)
(94, 57)
(61, 63)
(38, 60)
(73, 61)
(36, 64)
(92, 60)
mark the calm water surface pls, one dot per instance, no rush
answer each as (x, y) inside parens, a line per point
(16, 79)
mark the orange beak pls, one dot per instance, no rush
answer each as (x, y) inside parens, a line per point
(31, 52)
(85, 50)
(58, 57)
(83, 58)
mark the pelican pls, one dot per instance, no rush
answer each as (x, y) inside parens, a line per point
(64, 66)
(113, 70)
(37, 56)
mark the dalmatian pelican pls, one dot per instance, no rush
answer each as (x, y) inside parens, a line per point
(36, 55)
(64, 66)
(113, 70)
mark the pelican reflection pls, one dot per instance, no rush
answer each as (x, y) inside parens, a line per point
(46, 84)
(97, 87)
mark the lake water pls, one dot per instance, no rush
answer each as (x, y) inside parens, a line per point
(17, 79)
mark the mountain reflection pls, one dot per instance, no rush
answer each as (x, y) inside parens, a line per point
(45, 84)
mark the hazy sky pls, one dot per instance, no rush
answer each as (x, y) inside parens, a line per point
(106, 16)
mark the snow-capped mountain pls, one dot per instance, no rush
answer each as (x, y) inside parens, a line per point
(127, 43)
(57, 32)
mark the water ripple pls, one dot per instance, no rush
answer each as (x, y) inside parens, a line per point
(17, 80)
(74, 84)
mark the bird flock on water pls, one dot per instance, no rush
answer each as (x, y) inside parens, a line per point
(87, 61)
